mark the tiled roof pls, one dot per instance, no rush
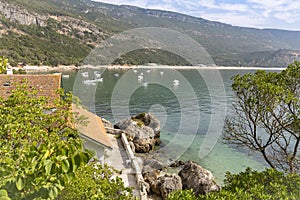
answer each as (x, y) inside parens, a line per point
(46, 84)
(94, 129)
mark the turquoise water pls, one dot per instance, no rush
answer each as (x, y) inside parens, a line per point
(191, 113)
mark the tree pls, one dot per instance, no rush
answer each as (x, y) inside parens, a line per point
(266, 116)
(40, 151)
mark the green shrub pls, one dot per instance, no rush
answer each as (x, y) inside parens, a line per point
(250, 184)
(96, 182)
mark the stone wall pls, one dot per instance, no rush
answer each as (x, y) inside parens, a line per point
(136, 167)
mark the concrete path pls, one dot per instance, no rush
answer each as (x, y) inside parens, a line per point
(117, 158)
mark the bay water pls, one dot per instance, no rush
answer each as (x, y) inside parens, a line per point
(190, 103)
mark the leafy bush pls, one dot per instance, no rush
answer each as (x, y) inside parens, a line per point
(39, 152)
(96, 182)
(250, 184)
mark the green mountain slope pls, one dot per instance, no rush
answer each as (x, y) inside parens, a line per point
(53, 32)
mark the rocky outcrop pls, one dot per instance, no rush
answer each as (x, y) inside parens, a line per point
(159, 183)
(142, 130)
(20, 15)
(164, 185)
(197, 178)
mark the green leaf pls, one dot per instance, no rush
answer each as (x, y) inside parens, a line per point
(53, 193)
(3, 193)
(4, 198)
(48, 166)
(20, 184)
(65, 166)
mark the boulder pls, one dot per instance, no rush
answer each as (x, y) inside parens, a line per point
(164, 185)
(195, 177)
(143, 130)
(150, 175)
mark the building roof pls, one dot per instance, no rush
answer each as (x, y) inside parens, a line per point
(46, 84)
(94, 129)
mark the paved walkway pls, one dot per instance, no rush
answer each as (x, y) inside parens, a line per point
(117, 158)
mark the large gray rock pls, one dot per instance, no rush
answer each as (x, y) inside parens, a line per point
(143, 130)
(197, 178)
(164, 185)
(150, 175)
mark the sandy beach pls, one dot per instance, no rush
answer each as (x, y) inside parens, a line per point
(121, 67)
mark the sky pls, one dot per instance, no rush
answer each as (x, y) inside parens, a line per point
(279, 14)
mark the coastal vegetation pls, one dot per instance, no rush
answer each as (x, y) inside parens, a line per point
(41, 153)
(146, 56)
(250, 184)
(3, 64)
(266, 116)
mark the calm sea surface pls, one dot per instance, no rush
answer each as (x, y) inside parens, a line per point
(191, 111)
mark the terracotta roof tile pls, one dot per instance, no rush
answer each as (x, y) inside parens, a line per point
(94, 129)
(45, 84)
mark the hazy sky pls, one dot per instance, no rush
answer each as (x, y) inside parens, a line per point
(281, 14)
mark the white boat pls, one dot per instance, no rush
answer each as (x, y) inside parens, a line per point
(99, 80)
(66, 76)
(135, 71)
(140, 77)
(176, 82)
(97, 75)
(85, 74)
(90, 82)
(116, 75)
(148, 71)
(161, 73)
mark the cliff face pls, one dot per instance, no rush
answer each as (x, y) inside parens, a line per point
(15, 13)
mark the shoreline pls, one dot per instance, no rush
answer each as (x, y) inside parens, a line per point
(63, 68)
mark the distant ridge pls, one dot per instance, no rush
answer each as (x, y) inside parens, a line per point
(53, 32)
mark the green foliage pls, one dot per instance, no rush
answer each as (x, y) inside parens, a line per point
(95, 182)
(40, 150)
(267, 115)
(4, 195)
(42, 46)
(269, 184)
(19, 71)
(3, 65)
(182, 194)
(146, 56)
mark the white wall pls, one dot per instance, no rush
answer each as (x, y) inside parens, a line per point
(99, 150)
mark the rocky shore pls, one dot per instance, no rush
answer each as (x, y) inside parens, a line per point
(143, 134)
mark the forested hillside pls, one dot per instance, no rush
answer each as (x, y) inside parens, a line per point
(53, 32)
